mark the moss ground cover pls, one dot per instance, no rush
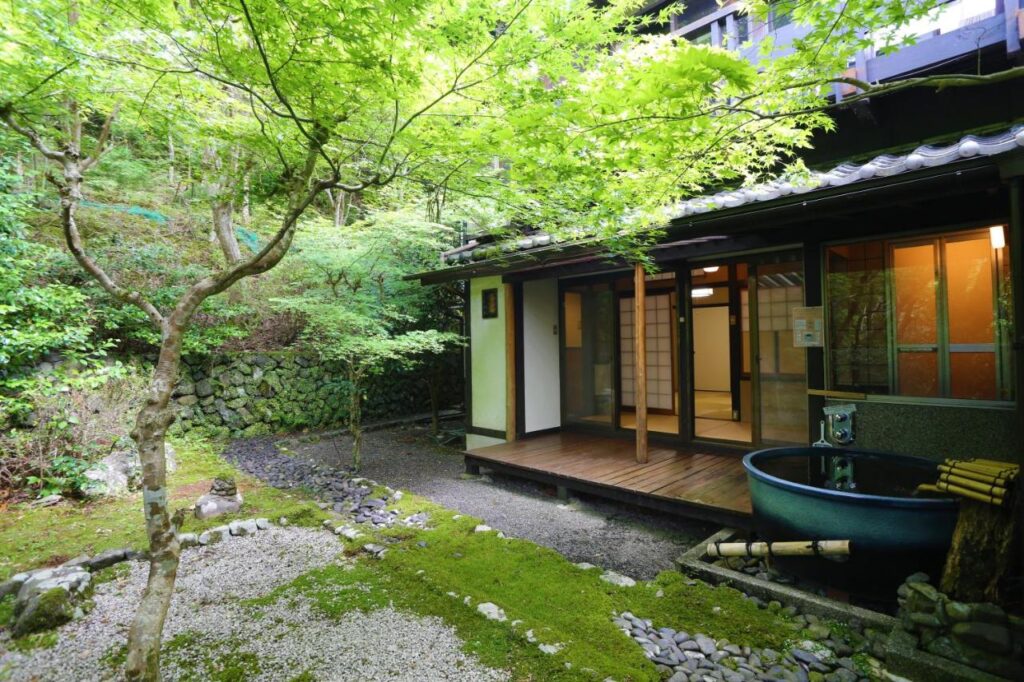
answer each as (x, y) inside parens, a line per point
(31, 537)
(450, 569)
(445, 571)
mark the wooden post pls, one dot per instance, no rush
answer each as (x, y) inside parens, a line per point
(640, 359)
(510, 363)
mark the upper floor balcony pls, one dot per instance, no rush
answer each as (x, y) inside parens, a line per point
(956, 30)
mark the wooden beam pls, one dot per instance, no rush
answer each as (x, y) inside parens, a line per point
(510, 362)
(640, 358)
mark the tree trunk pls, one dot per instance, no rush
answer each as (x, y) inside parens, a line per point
(246, 207)
(225, 231)
(340, 204)
(434, 387)
(170, 160)
(164, 552)
(355, 423)
(980, 563)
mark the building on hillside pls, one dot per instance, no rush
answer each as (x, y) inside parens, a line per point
(884, 283)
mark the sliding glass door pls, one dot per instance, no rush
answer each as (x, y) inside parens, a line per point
(588, 354)
(781, 386)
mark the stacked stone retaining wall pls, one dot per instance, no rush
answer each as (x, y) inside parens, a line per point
(258, 393)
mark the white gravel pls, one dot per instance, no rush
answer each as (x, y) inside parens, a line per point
(290, 638)
(631, 541)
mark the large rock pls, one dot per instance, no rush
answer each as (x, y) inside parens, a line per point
(44, 611)
(47, 598)
(223, 498)
(120, 472)
(211, 505)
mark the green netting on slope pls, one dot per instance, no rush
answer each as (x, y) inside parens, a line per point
(249, 238)
(148, 213)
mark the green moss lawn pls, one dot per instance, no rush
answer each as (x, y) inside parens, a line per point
(445, 571)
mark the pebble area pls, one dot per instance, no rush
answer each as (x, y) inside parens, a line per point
(682, 657)
(627, 540)
(289, 638)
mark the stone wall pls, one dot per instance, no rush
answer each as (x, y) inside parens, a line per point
(980, 635)
(249, 394)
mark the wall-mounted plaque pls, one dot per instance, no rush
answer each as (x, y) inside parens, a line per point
(490, 303)
(808, 327)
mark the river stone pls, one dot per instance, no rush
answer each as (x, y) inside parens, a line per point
(617, 579)
(958, 611)
(985, 636)
(213, 536)
(988, 613)
(492, 611)
(243, 528)
(706, 645)
(107, 558)
(186, 540)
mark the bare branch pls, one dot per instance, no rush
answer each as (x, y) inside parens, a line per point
(7, 114)
(70, 194)
(101, 142)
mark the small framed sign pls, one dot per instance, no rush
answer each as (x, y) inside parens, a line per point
(807, 327)
(490, 303)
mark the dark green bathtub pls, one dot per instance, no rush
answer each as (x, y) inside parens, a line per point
(892, 531)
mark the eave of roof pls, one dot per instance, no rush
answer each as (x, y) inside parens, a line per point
(922, 162)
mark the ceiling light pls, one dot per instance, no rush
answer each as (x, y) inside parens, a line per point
(711, 268)
(702, 292)
(996, 235)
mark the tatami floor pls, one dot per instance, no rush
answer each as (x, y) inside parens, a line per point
(713, 410)
(660, 423)
(713, 419)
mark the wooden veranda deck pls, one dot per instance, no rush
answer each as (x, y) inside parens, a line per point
(698, 483)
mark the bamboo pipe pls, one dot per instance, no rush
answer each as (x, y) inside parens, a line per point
(797, 548)
(997, 471)
(964, 492)
(993, 463)
(984, 488)
(974, 476)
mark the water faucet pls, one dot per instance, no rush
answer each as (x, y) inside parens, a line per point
(840, 423)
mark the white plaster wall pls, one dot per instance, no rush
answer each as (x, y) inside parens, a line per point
(541, 376)
(487, 357)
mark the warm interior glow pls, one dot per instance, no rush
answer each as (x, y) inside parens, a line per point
(702, 292)
(997, 237)
(711, 268)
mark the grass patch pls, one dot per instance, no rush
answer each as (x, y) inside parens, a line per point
(38, 640)
(115, 657)
(47, 536)
(559, 602)
(201, 659)
(7, 611)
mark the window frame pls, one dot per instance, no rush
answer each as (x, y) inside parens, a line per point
(938, 238)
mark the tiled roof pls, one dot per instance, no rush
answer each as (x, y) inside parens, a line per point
(886, 165)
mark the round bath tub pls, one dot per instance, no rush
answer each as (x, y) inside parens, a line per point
(892, 533)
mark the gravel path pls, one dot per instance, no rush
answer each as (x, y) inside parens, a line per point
(610, 535)
(289, 639)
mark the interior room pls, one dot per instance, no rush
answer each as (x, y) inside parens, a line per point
(721, 350)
